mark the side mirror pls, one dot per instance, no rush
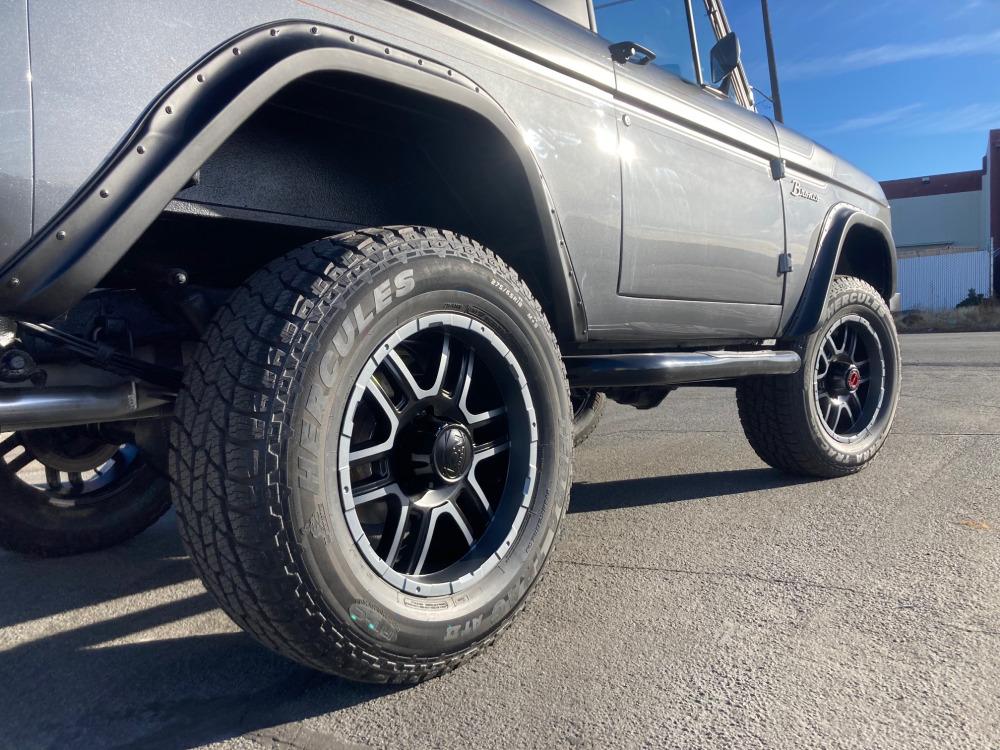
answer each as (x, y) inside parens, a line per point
(725, 57)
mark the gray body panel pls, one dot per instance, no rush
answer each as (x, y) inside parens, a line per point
(703, 218)
(15, 128)
(692, 266)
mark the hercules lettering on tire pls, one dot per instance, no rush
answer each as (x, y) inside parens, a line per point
(373, 452)
(832, 417)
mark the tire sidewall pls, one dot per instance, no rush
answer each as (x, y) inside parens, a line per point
(338, 578)
(861, 300)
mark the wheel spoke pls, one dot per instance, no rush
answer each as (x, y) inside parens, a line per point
(480, 417)
(857, 402)
(381, 449)
(422, 542)
(18, 463)
(401, 523)
(479, 454)
(850, 342)
(10, 443)
(845, 407)
(477, 492)
(428, 525)
(827, 412)
(376, 491)
(76, 479)
(461, 521)
(404, 374)
(53, 478)
(824, 363)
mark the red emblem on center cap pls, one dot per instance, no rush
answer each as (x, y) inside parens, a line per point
(853, 380)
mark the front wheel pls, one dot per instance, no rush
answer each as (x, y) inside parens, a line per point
(372, 453)
(833, 416)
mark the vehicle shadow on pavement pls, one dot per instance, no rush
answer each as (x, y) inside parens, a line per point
(153, 560)
(124, 649)
(134, 670)
(631, 493)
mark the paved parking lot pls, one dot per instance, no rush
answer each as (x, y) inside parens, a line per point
(697, 598)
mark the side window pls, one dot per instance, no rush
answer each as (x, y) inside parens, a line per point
(660, 25)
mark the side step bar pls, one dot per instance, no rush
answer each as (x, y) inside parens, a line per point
(675, 368)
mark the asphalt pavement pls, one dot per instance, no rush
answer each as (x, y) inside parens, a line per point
(696, 599)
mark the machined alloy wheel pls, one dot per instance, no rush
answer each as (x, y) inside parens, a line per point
(833, 416)
(849, 385)
(76, 489)
(372, 452)
(437, 454)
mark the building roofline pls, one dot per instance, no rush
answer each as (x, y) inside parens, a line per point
(938, 184)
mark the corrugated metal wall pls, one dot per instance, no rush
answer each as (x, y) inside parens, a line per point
(939, 282)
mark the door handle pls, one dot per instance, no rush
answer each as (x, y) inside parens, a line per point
(626, 52)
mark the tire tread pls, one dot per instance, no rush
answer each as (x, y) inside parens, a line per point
(233, 403)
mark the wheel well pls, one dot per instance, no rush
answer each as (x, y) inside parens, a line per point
(867, 254)
(337, 151)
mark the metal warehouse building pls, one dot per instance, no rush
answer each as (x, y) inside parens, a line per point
(947, 230)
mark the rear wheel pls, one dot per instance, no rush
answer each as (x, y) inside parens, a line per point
(372, 453)
(833, 416)
(75, 489)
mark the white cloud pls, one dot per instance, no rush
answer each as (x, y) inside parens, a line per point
(972, 118)
(889, 54)
(876, 120)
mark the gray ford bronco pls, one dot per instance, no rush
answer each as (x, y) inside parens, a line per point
(336, 278)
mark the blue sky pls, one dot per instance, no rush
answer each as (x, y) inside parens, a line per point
(902, 88)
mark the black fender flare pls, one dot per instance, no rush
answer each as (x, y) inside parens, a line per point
(194, 115)
(836, 227)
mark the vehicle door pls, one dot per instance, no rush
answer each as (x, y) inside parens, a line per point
(702, 212)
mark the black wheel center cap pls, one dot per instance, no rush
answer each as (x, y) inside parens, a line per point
(452, 453)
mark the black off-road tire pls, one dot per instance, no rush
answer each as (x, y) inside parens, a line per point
(34, 521)
(253, 452)
(588, 407)
(781, 415)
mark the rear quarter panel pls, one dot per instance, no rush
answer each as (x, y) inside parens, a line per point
(90, 87)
